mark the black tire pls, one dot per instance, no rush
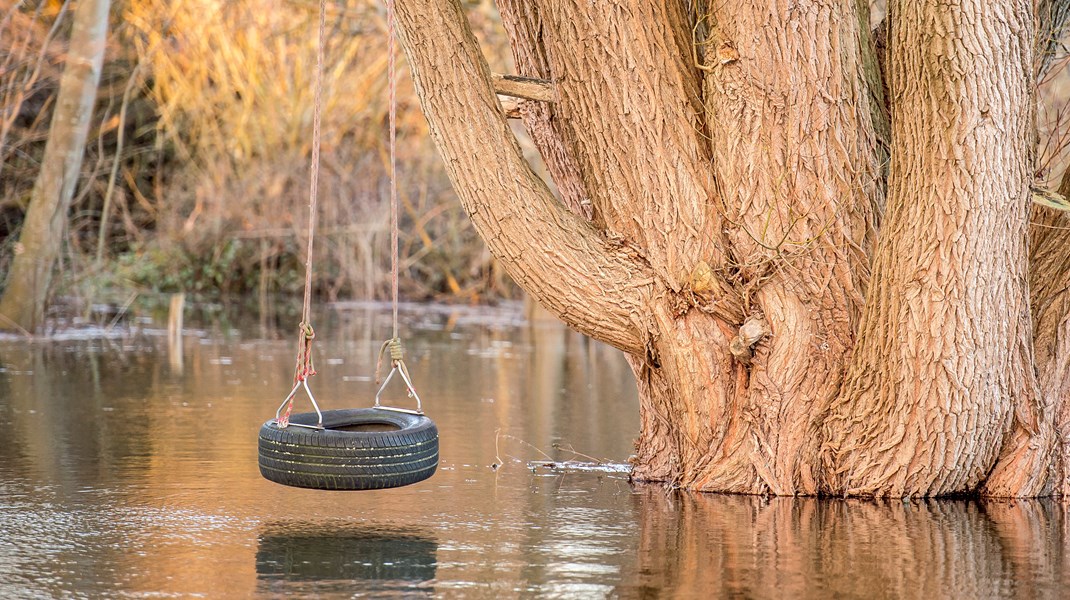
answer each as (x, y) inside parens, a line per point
(349, 453)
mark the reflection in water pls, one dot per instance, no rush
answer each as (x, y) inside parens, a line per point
(755, 547)
(122, 474)
(61, 409)
(343, 556)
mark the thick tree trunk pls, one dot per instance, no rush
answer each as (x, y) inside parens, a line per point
(1033, 461)
(645, 172)
(23, 302)
(694, 432)
(721, 170)
(709, 421)
(793, 144)
(944, 357)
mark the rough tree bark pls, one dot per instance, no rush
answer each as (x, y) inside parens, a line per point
(944, 353)
(722, 177)
(794, 155)
(23, 302)
(1034, 460)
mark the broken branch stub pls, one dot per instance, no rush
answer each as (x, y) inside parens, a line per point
(528, 88)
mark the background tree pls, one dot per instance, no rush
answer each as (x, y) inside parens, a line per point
(818, 262)
(23, 301)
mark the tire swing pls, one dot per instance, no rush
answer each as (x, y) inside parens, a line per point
(349, 449)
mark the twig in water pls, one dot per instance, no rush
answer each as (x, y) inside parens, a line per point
(15, 325)
(578, 453)
(529, 445)
(497, 456)
(122, 311)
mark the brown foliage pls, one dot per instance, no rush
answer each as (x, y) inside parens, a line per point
(211, 183)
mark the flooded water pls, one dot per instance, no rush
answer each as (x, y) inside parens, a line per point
(128, 468)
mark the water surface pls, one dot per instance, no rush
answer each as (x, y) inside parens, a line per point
(128, 469)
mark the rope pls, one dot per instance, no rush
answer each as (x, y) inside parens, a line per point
(306, 312)
(397, 356)
(304, 368)
(392, 83)
(393, 345)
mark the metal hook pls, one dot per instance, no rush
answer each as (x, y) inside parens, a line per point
(293, 392)
(399, 367)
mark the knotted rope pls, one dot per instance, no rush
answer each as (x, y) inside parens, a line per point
(397, 357)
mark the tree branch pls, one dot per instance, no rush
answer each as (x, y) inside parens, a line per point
(599, 287)
(523, 87)
(629, 104)
(1035, 458)
(523, 22)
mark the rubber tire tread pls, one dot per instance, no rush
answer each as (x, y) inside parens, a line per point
(333, 459)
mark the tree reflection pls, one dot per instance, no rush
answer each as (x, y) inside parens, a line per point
(746, 546)
(62, 406)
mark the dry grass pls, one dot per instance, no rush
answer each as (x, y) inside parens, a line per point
(233, 83)
(209, 192)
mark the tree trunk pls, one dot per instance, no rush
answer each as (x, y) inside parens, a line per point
(23, 302)
(1049, 445)
(793, 141)
(1033, 461)
(709, 421)
(722, 221)
(944, 357)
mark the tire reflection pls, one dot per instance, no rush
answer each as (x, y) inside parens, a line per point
(321, 557)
